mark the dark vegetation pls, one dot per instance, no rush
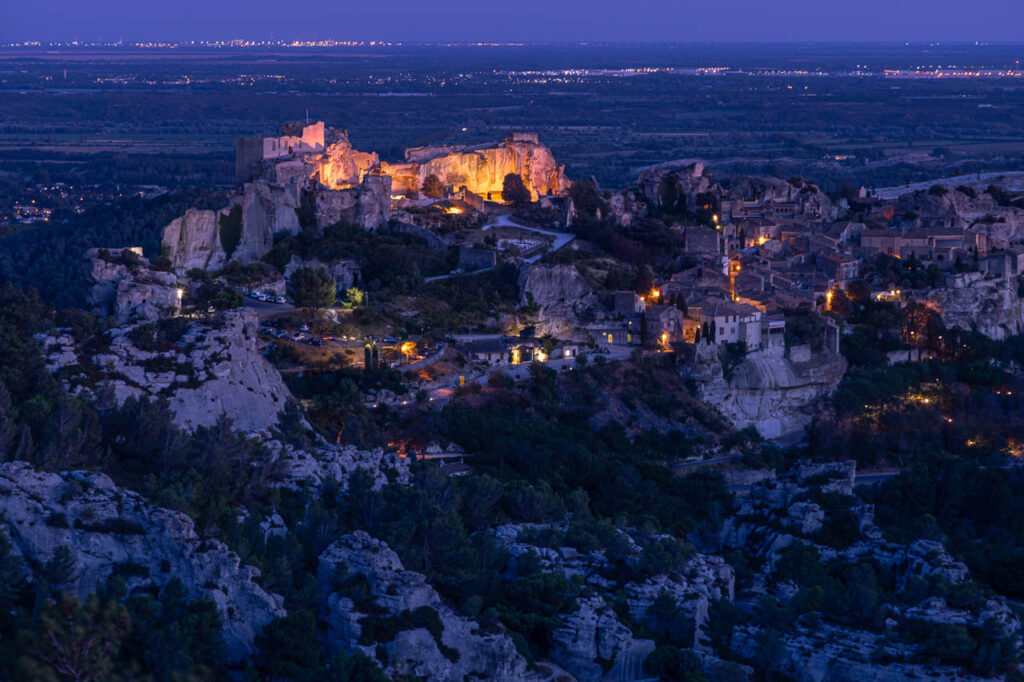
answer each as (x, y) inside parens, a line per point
(52, 258)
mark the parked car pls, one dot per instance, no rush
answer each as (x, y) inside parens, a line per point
(280, 299)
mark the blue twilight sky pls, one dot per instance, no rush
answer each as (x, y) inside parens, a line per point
(531, 20)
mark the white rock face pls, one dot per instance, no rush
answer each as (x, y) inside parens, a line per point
(701, 580)
(193, 241)
(592, 635)
(368, 204)
(123, 285)
(106, 528)
(560, 292)
(210, 371)
(830, 653)
(990, 304)
(415, 651)
(770, 392)
(338, 463)
(267, 211)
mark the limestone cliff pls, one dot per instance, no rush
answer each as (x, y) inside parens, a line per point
(193, 241)
(123, 285)
(267, 211)
(990, 304)
(776, 394)
(344, 272)
(592, 638)
(368, 204)
(342, 166)
(560, 293)
(108, 529)
(458, 649)
(482, 168)
(207, 370)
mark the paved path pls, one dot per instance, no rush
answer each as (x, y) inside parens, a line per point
(561, 238)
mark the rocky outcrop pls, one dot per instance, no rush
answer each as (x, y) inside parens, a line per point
(991, 305)
(594, 646)
(247, 226)
(1002, 225)
(123, 285)
(685, 176)
(424, 637)
(367, 204)
(205, 371)
(341, 166)
(791, 508)
(193, 241)
(776, 394)
(110, 530)
(337, 463)
(829, 653)
(268, 210)
(482, 168)
(344, 272)
(693, 585)
(560, 293)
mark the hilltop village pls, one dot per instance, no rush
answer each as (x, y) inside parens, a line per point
(750, 286)
(463, 417)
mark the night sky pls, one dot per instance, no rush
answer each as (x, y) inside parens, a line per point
(528, 20)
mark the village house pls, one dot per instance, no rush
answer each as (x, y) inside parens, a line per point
(491, 350)
(663, 323)
(732, 322)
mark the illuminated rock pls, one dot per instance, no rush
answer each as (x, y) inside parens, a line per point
(482, 168)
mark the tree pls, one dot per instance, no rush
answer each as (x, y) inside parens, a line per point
(838, 303)
(586, 198)
(514, 192)
(287, 647)
(670, 663)
(75, 641)
(432, 187)
(355, 296)
(859, 291)
(312, 288)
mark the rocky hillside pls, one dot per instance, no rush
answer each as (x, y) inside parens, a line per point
(777, 394)
(204, 369)
(107, 531)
